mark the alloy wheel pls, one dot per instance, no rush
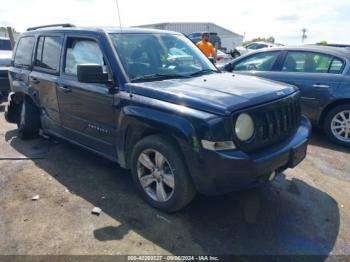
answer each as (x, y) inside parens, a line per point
(155, 175)
(340, 126)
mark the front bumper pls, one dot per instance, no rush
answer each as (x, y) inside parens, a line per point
(217, 172)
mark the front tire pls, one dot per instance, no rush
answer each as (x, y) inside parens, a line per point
(29, 120)
(337, 125)
(160, 174)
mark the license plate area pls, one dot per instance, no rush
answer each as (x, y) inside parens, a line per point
(298, 154)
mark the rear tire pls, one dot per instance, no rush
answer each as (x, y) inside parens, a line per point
(337, 125)
(169, 172)
(29, 120)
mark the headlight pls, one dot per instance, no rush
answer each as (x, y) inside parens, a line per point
(244, 127)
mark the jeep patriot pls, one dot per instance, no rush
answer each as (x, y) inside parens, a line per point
(152, 102)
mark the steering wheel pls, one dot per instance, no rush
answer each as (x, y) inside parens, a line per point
(252, 67)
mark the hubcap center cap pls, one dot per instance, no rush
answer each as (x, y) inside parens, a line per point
(157, 174)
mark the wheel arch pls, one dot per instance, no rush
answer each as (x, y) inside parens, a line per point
(329, 107)
(139, 123)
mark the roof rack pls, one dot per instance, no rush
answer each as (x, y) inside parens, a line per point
(53, 25)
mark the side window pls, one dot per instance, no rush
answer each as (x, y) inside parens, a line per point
(295, 62)
(257, 62)
(49, 52)
(252, 46)
(336, 66)
(309, 62)
(320, 63)
(24, 51)
(82, 51)
(260, 46)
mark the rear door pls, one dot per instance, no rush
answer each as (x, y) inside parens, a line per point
(45, 74)
(86, 109)
(317, 75)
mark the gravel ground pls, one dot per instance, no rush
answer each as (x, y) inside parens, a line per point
(304, 211)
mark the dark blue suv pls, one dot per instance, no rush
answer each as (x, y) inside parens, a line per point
(179, 124)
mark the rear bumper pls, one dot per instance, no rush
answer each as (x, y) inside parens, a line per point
(4, 80)
(216, 172)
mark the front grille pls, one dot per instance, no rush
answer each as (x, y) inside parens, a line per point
(274, 122)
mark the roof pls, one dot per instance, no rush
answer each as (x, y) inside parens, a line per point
(101, 30)
(334, 51)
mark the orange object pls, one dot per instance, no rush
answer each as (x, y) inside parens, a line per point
(207, 48)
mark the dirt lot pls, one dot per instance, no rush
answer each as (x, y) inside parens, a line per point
(304, 211)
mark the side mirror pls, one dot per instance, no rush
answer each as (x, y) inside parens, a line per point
(228, 67)
(91, 73)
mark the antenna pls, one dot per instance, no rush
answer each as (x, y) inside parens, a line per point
(118, 12)
(304, 36)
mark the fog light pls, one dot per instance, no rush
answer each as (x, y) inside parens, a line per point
(223, 145)
(272, 176)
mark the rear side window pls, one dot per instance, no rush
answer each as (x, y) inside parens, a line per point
(82, 51)
(257, 62)
(24, 51)
(336, 66)
(49, 52)
(309, 62)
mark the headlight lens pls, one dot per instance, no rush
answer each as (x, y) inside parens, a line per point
(244, 127)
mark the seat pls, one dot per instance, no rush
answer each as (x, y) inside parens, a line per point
(290, 64)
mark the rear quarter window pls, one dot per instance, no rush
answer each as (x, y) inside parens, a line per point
(24, 51)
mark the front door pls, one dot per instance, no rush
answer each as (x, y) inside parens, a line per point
(86, 110)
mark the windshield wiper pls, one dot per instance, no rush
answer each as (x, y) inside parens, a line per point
(204, 71)
(158, 77)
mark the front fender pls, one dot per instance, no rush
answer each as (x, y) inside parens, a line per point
(183, 124)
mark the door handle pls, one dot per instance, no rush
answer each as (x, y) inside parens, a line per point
(320, 86)
(34, 80)
(65, 89)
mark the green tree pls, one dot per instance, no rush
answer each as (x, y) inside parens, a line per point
(324, 42)
(270, 39)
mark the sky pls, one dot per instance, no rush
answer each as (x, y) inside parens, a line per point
(283, 19)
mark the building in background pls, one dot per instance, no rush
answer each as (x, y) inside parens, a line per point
(3, 33)
(229, 39)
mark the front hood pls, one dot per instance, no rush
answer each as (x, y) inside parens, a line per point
(215, 93)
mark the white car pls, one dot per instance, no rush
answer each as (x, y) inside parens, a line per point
(241, 50)
(222, 58)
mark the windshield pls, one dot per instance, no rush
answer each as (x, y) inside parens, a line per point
(153, 56)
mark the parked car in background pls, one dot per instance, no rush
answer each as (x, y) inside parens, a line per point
(322, 74)
(241, 50)
(5, 62)
(214, 38)
(222, 58)
(180, 127)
